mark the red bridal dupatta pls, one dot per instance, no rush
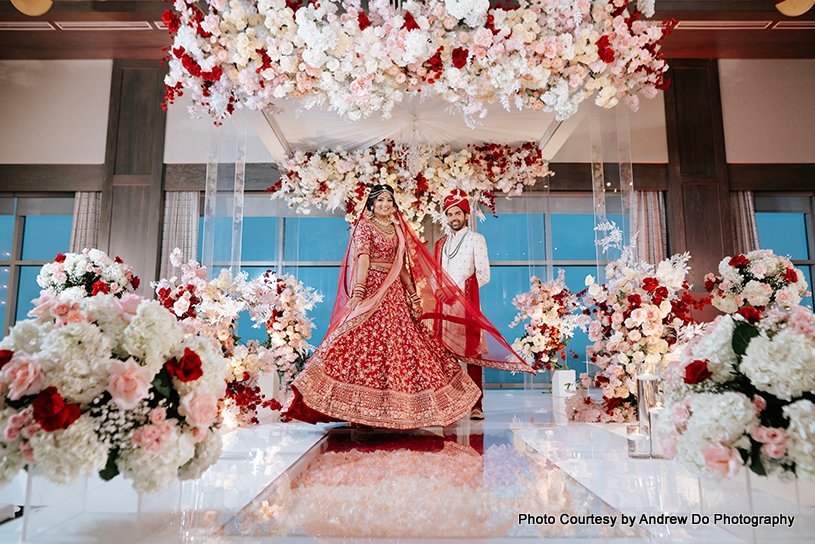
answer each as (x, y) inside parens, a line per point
(441, 301)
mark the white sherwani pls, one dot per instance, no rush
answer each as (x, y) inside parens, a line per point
(471, 257)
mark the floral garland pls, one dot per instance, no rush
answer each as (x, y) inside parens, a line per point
(74, 276)
(279, 305)
(638, 319)
(545, 55)
(756, 280)
(551, 309)
(334, 178)
(108, 385)
(742, 395)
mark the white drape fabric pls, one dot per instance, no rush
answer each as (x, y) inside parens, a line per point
(85, 227)
(180, 228)
(648, 221)
(745, 230)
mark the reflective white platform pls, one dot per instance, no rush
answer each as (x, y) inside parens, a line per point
(523, 474)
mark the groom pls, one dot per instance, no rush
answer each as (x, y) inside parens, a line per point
(463, 255)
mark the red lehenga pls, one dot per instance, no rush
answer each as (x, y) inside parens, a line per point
(380, 366)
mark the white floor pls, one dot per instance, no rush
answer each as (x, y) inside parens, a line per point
(590, 461)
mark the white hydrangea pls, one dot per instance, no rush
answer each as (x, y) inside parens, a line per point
(26, 336)
(717, 348)
(65, 454)
(207, 453)
(74, 359)
(720, 417)
(783, 365)
(152, 335)
(152, 472)
(213, 364)
(801, 444)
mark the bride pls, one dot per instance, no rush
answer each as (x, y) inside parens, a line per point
(380, 364)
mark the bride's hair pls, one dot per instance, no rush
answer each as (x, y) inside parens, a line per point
(377, 190)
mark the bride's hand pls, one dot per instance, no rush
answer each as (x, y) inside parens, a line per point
(353, 303)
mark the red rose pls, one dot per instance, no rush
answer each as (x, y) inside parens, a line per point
(650, 284)
(5, 357)
(188, 368)
(738, 260)
(363, 21)
(460, 57)
(697, 372)
(709, 285)
(171, 20)
(790, 275)
(118, 259)
(634, 300)
(661, 292)
(135, 282)
(51, 412)
(750, 314)
(410, 22)
(60, 258)
(100, 287)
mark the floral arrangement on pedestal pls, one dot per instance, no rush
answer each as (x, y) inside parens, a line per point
(545, 54)
(421, 177)
(75, 276)
(109, 384)
(757, 279)
(553, 313)
(637, 321)
(743, 395)
(278, 305)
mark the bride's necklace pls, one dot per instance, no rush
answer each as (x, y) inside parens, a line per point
(386, 228)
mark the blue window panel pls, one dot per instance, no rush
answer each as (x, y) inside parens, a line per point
(6, 237)
(28, 290)
(45, 236)
(784, 233)
(506, 282)
(244, 327)
(259, 241)
(576, 282)
(222, 251)
(4, 279)
(807, 270)
(324, 280)
(316, 238)
(573, 237)
(514, 237)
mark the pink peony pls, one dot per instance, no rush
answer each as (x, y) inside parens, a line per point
(721, 459)
(24, 374)
(199, 408)
(128, 383)
(127, 306)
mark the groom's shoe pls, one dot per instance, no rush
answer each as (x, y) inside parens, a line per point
(477, 413)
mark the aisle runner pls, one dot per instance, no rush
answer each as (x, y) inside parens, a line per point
(420, 484)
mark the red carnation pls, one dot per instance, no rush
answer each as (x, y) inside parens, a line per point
(460, 56)
(5, 357)
(738, 260)
(60, 258)
(697, 372)
(100, 287)
(790, 275)
(750, 314)
(188, 368)
(51, 412)
(650, 284)
(363, 21)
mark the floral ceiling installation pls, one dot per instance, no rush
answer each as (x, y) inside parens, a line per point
(545, 55)
(333, 178)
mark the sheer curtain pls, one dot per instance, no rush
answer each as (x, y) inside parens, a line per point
(180, 228)
(648, 221)
(745, 230)
(85, 227)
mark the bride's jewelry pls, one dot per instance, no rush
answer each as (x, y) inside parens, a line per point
(387, 228)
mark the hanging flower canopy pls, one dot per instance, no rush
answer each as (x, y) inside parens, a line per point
(545, 55)
(421, 176)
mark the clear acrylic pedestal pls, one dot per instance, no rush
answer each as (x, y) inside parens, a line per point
(94, 511)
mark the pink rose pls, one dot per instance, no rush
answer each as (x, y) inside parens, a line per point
(759, 403)
(721, 459)
(127, 306)
(11, 433)
(783, 297)
(30, 430)
(803, 321)
(61, 308)
(42, 304)
(200, 434)
(681, 415)
(152, 439)
(595, 331)
(28, 453)
(77, 316)
(668, 443)
(24, 375)
(775, 451)
(200, 409)
(128, 383)
(157, 415)
(770, 435)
